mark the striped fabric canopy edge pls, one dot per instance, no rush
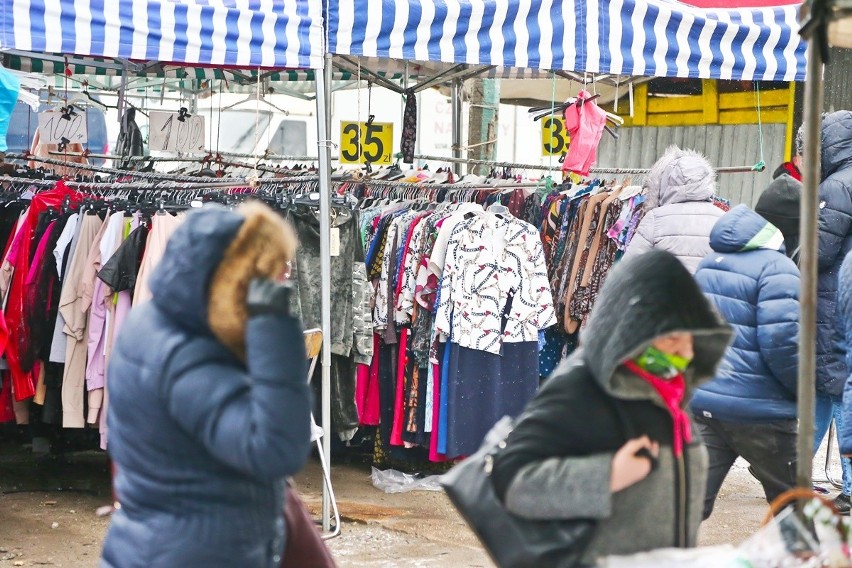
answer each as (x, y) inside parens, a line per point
(238, 33)
(656, 38)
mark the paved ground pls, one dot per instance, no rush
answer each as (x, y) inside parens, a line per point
(47, 516)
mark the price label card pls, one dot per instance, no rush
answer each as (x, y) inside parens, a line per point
(554, 136)
(361, 143)
(53, 127)
(169, 134)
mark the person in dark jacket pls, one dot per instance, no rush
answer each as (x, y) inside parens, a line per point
(835, 241)
(209, 401)
(779, 204)
(573, 452)
(749, 409)
(793, 167)
(844, 300)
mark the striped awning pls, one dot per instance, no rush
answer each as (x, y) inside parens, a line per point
(237, 33)
(655, 38)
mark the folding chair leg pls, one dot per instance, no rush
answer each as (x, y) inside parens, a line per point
(326, 475)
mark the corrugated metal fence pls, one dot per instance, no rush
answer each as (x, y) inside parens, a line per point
(729, 145)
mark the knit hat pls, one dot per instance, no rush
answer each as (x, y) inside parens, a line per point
(779, 204)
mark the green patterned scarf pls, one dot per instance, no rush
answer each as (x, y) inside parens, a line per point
(661, 364)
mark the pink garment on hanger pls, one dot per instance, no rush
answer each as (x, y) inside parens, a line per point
(7, 413)
(362, 382)
(122, 309)
(367, 390)
(399, 403)
(585, 122)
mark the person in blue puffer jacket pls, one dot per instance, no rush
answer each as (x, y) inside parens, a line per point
(835, 241)
(749, 409)
(209, 400)
(844, 308)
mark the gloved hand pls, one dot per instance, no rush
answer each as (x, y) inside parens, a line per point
(268, 297)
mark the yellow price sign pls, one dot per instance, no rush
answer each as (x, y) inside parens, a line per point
(554, 136)
(361, 143)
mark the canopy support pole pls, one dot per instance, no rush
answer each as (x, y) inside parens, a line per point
(323, 81)
(814, 93)
(457, 107)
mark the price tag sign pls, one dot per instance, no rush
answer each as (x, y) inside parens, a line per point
(554, 136)
(53, 127)
(361, 143)
(169, 134)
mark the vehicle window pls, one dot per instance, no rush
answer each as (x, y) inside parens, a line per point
(98, 138)
(237, 130)
(22, 127)
(291, 139)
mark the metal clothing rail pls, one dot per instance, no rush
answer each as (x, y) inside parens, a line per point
(209, 159)
(615, 171)
(437, 186)
(112, 186)
(157, 175)
(267, 156)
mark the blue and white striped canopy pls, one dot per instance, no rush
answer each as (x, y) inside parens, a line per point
(658, 38)
(239, 33)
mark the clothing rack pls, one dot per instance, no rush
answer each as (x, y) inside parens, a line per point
(759, 167)
(208, 160)
(265, 156)
(448, 186)
(107, 186)
(156, 175)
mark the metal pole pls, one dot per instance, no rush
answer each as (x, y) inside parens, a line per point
(324, 147)
(808, 265)
(457, 124)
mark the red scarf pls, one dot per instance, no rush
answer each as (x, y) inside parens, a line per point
(672, 392)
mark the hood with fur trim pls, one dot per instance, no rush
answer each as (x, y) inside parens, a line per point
(646, 297)
(203, 278)
(680, 176)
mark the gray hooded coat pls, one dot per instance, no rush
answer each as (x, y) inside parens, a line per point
(680, 213)
(557, 461)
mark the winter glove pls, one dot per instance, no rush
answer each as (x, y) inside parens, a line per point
(268, 297)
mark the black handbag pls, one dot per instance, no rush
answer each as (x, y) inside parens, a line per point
(511, 541)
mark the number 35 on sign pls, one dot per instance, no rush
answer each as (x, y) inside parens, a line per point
(361, 143)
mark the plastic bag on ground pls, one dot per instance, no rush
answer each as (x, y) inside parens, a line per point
(393, 481)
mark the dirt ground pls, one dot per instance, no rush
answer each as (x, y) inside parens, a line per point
(48, 515)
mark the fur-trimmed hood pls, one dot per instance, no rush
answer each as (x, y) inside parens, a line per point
(203, 278)
(646, 297)
(680, 176)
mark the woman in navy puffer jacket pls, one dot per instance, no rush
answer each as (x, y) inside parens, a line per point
(209, 401)
(749, 409)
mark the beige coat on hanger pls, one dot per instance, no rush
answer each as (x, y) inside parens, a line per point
(44, 151)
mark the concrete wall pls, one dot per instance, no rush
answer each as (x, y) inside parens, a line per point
(734, 145)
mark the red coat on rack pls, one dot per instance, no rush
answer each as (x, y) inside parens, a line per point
(15, 324)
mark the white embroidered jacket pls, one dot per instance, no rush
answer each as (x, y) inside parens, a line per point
(491, 259)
